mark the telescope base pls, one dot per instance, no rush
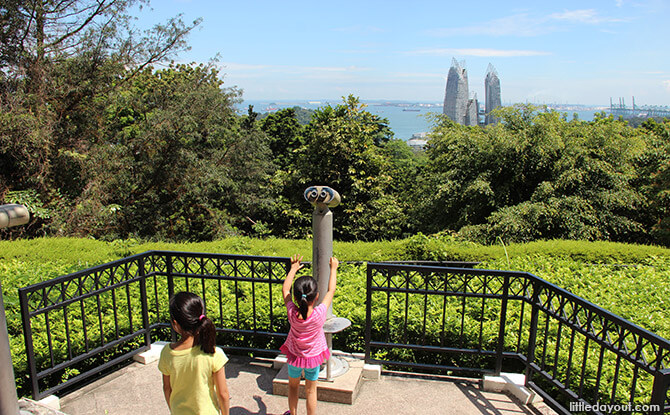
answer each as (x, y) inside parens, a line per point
(341, 389)
(338, 367)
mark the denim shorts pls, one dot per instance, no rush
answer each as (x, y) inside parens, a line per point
(310, 374)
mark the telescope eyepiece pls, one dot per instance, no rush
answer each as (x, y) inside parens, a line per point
(322, 196)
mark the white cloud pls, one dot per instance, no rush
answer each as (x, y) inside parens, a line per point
(497, 53)
(666, 84)
(526, 25)
(586, 16)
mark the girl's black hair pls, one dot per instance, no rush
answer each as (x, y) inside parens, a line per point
(186, 309)
(305, 290)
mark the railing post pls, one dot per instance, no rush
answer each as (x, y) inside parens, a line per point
(503, 322)
(368, 313)
(532, 335)
(28, 338)
(144, 300)
(660, 391)
(169, 270)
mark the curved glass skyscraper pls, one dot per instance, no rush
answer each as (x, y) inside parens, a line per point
(457, 104)
(456, 93)
(492, 90)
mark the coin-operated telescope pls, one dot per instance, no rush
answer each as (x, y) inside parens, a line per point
(10, 215)
(323, 198)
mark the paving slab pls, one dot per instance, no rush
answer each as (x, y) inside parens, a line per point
(136, 389)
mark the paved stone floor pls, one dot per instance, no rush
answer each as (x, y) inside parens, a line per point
(136, 389)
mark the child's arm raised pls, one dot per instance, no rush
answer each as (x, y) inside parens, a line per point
(295, 267)
(332, 282)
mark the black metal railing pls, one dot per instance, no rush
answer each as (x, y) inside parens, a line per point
(420, 317)
(80, 324)
(575, 354)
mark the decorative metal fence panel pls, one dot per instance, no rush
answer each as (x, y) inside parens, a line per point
(439, 318)
(421, 317)
(582, 355)
(90, 319)
(578, 356)
(242, 295)
(80, 324)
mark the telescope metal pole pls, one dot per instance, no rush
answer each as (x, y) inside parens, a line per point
(322, 250)
(10, 215)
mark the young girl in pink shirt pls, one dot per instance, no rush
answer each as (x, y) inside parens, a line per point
(305, 345)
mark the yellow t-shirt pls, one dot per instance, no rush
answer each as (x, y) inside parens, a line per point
(191, 378)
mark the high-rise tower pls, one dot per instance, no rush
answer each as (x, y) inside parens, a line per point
(492, 90)
(472, 113)
(456, 93)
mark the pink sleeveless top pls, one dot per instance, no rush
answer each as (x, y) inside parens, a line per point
(305, 345)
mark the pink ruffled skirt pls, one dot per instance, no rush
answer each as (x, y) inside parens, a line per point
(305, 362)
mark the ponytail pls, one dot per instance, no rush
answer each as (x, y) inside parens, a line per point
(303, 305)
(206, 337)
(188, 310)
(305, 291)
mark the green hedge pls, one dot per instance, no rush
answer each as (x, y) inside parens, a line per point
(632, 281)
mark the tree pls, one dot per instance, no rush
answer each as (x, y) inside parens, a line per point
(535, 176)
(174, 162)
(285, 134)
(63, 58)
(341, 151)
(654, 169)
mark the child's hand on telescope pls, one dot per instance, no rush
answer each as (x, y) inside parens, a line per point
(296, 262)
(334, 262)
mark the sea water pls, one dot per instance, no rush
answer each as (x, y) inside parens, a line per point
(404, 118)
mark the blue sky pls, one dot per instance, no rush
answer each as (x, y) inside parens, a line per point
(544, 52)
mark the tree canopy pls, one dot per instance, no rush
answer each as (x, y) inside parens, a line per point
(98, 140)
(538, 176)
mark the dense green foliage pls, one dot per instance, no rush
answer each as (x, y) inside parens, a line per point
(98, 142)
(538, 176)
(302, 115)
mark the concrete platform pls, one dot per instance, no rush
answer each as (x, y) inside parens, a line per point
(342, 389)
(136, 389)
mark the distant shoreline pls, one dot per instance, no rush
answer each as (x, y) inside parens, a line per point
(402, 122)
(307, 103)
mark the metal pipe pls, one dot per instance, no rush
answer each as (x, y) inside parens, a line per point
(10, 215)
(13, 215)
(9, 403)
(322, 250)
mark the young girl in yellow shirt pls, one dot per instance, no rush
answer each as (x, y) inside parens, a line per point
(194, 379)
